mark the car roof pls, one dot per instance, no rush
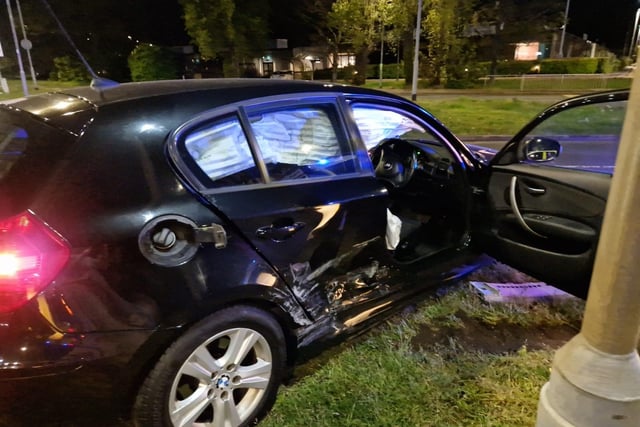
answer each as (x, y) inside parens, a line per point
(71, 109)
(253, 88)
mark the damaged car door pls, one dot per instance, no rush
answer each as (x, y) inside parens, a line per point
(286, 174)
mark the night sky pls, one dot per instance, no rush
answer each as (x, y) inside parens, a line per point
(608, 22)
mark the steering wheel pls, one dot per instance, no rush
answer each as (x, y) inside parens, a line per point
(394, 161)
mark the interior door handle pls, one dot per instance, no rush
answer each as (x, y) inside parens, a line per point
(279, 232)
(514, 207)
(533, 190)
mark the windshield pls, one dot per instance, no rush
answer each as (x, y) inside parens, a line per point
(30, 150)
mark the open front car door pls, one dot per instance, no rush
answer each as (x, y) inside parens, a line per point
(547, 190)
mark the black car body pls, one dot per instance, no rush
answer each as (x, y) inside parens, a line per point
(146, 229)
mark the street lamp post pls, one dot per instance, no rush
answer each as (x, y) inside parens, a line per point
(564, 29)
(416, 55)
(23, 78)
(26, 45)
(381, 69)
(383, 16)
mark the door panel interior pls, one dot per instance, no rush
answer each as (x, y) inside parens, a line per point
(546, 222)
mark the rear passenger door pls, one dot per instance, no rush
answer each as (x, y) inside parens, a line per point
(288, 176)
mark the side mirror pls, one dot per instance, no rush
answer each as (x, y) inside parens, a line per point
(541, 149)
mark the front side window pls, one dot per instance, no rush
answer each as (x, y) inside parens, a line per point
(380, 124)
(589, 135)
(377, 124)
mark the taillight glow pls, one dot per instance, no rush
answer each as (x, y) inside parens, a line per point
(9, 265)
(31, 256)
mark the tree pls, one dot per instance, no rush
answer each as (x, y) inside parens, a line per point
(357, 22)
(316, 17)
(400, 23)
(232, 30)
(401, 18)
(444, 24)
(152, 62)
(68, 69)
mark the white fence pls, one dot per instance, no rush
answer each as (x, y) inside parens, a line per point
(527, 82)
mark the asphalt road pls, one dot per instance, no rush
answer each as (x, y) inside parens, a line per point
(593, 153)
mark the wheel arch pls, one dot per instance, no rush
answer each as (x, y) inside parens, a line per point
(162, 338)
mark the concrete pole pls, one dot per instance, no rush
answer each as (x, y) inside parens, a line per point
(595, 379)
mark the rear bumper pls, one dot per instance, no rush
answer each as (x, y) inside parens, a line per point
(82, 378)
(73, 398)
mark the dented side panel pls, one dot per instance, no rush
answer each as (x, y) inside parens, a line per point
(337, 257)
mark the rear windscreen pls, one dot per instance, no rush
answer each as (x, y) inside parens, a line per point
(30, 151)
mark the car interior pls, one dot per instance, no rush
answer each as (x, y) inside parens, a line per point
(425, 182)
(425, 188)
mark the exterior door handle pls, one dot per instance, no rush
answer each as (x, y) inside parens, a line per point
(279, 232)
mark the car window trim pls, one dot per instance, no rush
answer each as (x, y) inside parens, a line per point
(256, 153)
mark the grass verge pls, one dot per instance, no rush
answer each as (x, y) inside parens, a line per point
(434, 367)
(469, 116)
(16, 91)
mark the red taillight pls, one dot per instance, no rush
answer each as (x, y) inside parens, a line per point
(31, 255)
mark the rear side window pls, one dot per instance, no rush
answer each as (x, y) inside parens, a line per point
(273, 144)
(221, 151)
(29, 152)
(301, 142)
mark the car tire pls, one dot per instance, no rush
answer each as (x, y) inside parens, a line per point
(224, 370)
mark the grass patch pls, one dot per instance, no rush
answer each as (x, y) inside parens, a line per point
(468, 116)
(16, 91)
(401, 376)
(387, 84)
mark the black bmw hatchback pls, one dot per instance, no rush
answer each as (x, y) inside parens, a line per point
(169, 249)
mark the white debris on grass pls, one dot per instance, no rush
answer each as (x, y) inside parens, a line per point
(514, 292)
